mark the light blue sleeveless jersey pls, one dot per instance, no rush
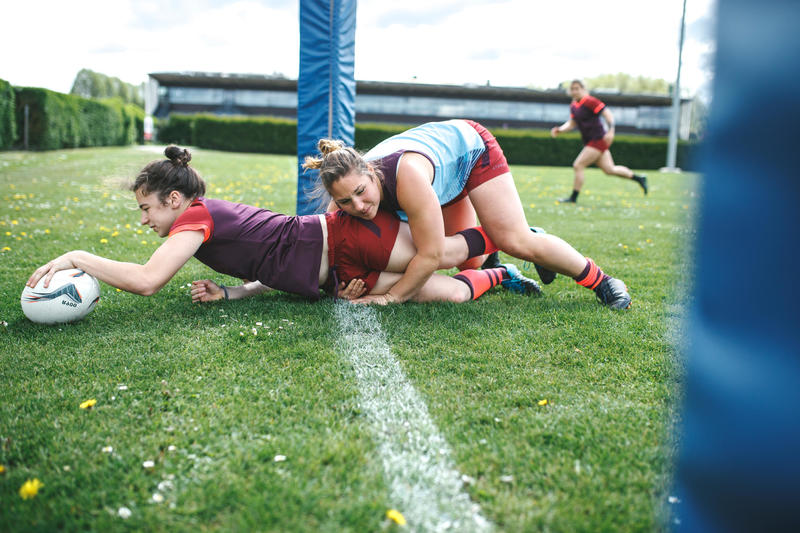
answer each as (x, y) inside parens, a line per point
(453, 147)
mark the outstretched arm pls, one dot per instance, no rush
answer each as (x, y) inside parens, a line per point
(567, 126)
(418, 199)
(144, 279)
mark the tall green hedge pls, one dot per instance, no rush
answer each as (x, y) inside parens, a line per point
(237, 134)
(177, 129)
(8, 124)
(521, 147)
(57, 120)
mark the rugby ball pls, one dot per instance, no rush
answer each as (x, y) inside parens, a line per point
(71, 295)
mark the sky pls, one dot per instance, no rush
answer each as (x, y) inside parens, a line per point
(511, 43)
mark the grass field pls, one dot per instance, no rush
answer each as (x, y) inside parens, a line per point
(251, 413)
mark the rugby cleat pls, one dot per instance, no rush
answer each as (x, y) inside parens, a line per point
(545, 274)
(492, 261)
(518, 283)
(641, 179)
(613, 293)
(568, 200)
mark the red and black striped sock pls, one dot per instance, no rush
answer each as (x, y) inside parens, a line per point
(480, 281)
(478, 242)
(591, 276)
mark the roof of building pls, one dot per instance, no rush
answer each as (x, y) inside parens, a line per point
(480, 92)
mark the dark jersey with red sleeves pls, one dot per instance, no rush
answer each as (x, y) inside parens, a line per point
(280, 251)
(586, 113)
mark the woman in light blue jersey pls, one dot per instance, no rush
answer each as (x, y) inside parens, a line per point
(430, 175)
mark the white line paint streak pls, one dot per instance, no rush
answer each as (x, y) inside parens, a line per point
(424, 484)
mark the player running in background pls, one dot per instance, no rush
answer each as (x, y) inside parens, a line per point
(584, 113)
(426, 173)
(298, 254)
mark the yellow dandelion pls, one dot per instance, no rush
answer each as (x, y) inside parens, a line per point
(396, 516)
(641, 227)
(47, 231)
(103, 241)
(542, 402)
(88, 404)
(30, 488)
(8, 234)
(143, 242)
(5, 249)
(24, 233)
(2, 469)
(115, 234)
(127, 226)
(138, 232)
(14, 222)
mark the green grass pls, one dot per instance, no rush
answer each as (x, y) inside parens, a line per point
(212, 404)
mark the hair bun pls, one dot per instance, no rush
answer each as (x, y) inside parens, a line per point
(327, 146)
(178, 155)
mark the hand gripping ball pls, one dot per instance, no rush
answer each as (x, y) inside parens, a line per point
(71, 295)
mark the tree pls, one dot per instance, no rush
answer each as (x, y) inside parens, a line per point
(90, 84)
(625, 83)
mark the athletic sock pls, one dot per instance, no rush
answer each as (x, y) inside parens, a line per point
(574, 196)
(478, 242)
(591, 276)
(480, 281)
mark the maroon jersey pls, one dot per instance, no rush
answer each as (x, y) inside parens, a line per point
(281, 251)
(586, 113)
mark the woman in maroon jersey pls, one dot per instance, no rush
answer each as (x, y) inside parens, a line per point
(298, 254)
(584, 113)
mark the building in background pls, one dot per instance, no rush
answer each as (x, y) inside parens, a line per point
(403, 103)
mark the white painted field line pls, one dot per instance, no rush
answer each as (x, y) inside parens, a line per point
(424, 484)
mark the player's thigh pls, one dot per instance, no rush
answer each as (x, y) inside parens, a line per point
(499, 208)
(458, 216)
(402, 251)
(587, 156)
(605, 162)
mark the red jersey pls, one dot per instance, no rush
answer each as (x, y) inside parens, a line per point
(586, 113)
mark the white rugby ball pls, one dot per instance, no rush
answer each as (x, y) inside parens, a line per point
(71, 295)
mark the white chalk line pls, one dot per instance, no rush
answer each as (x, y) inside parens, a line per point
(424, 484)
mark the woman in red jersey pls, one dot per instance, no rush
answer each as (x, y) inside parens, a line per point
(584, 113)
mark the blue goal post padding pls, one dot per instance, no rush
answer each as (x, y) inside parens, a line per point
(326, 86)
